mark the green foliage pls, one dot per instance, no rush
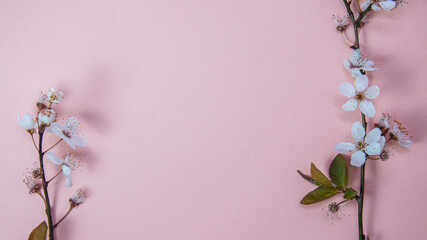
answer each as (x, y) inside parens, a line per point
(350, 193)
(319, 177)
(318, 194)
(39, 233)
(338, 171)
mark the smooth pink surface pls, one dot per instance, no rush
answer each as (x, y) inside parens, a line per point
(198, 113)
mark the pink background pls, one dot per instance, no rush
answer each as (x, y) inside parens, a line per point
(198, 113)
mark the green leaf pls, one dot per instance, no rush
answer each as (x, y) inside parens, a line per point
(338, 171)
(39, 233)
(307, 177)
(350, 193)
(318, 194)
(319, 177)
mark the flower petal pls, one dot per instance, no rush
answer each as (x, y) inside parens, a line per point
(372, 92)
(66, 170)
(54, 158)
(358, 158)
(347, 64)
(376, 8)
(57, 129)
(361, 83)
(345, 147)
(347, 89)
(355, 72)
(67, 173)
(350, 105)
(405, 143)
(373, 136)
(387, 5)
(373, 149)
(27, 122)
(357, 131)
(355, 57)
(70, 142)
(367, 65)
(78, 141)
(382, 142)
(367, 108)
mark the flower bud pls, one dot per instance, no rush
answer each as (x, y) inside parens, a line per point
(46, 116)
(78, 197)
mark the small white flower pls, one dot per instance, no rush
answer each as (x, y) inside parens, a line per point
(358, 94)
(32, 186)
(387, 5)
(42, 101)
(400, 134)
(355, 64)
(55, 96)
(27, 122)
(341, 23)
(383, 120)
(78, 197)
(66, 164)
(362, 145)
(46, 116)
(69, 132)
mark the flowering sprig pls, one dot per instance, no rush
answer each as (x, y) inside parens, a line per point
(45, 121)
(365, 145)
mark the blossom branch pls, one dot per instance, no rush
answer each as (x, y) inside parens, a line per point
(45, 190)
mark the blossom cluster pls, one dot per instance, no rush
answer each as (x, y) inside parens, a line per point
(373, 144)
(69, 132)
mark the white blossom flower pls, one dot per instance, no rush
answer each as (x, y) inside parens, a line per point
(362, 145)
(27, 122)
(46, 116)
(55, 96)
(78, 197)
(32, 186)
(355, 64)
(341, 23)
(358, 94)
(66, 164)
(69, 132)
(42, 101)
(400, 134)
(383, 120)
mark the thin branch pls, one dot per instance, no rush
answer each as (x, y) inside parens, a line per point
(34, 142)
(345, 39)
(48, 181)
(60, 140)
(44, 200)
(68, 212)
